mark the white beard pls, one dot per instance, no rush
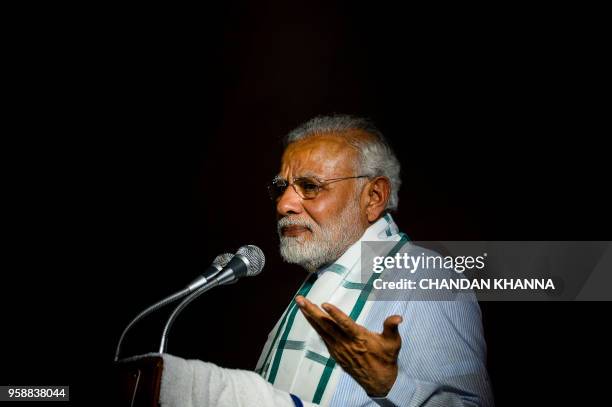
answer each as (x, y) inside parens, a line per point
(327, 244)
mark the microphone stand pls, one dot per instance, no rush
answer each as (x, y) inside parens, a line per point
(163, 343)
(154, 307)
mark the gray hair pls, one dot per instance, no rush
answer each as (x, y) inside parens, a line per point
(376, 155)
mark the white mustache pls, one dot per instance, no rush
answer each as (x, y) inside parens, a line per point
(285, 222)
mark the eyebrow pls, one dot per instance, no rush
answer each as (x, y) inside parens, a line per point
(310, 175)
(307, 174)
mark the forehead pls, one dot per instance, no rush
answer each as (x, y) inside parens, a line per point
(324, 155)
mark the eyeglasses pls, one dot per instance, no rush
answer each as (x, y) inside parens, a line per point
(305, 187)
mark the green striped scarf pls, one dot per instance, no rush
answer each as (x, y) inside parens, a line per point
(295, 359)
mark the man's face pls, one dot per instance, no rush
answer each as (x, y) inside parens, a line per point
(317, 231)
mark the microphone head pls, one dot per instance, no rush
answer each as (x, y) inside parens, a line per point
(256, 259)
(222, 260)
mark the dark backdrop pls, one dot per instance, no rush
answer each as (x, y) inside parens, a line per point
(140, 143)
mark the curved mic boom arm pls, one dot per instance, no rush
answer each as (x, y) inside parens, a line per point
(154, 307)
(163, 344)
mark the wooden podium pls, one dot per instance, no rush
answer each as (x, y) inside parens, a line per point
(138, 381)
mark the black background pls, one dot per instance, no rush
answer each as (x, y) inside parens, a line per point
(137, 144)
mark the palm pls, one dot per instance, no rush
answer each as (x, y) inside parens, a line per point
(369, 357)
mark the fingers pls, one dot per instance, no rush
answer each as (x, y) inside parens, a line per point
(344, 321)
(325, 332)
(319, 320)
(340, 323)
(391, 327)
(309, 308)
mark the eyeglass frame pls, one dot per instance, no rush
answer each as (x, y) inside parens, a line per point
(321, 184)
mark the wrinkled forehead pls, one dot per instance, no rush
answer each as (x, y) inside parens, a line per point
(324, 156)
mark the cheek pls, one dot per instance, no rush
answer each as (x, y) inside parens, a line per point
(322, 210)
(316, 211)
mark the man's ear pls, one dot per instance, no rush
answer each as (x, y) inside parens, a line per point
(378, 194)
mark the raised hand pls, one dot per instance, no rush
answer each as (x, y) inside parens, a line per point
(369, 357)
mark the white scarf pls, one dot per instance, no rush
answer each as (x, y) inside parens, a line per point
(295, 358)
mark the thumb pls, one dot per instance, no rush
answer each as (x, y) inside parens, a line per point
(390, 327)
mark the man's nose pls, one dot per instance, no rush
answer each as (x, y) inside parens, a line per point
(289, 202)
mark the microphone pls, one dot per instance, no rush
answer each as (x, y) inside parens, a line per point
(215, 268)
(212, 270)
(248, 261)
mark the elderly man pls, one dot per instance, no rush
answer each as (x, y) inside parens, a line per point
(338, 181)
